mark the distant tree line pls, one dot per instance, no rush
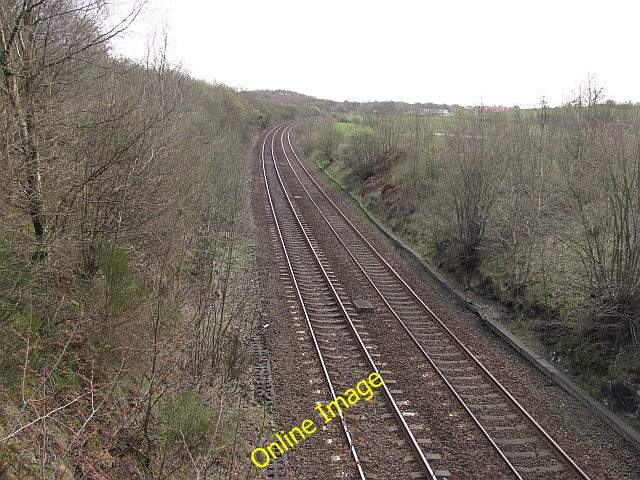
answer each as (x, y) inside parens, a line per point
(301, 105)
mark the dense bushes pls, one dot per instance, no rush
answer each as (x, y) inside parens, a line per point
(125, 287)
(538, 208)
(360, 150)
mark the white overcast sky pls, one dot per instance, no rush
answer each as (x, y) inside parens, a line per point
(450, 51)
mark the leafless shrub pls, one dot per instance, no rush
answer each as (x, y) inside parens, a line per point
(474, 156)
(601, 170)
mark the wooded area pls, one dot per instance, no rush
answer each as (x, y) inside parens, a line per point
(126, 281)
(537, 208)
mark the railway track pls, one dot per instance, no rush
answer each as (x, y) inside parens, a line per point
(523, 445)
(380, 444)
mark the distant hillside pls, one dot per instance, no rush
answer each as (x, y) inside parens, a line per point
(285, 104)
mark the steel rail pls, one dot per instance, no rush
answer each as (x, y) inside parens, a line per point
(404, 326)
(398, 414)
(537, 427)
(422, 460)
(302, 304)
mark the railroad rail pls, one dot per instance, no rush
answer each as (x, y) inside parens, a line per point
(341, 352)
(527, 449)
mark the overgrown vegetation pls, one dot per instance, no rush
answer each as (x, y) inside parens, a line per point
(539, 209)
(126, 293)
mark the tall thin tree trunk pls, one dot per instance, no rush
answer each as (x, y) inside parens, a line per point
(21, 100)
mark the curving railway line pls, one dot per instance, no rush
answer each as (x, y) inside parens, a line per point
(341, 352)
(384, 444)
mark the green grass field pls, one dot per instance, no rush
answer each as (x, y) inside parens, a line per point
(343, 127)
(435, 122)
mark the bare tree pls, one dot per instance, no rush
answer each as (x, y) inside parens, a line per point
(40, 44)
(602, 172)
(474, 157)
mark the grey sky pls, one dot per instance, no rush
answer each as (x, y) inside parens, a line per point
(467, 52)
